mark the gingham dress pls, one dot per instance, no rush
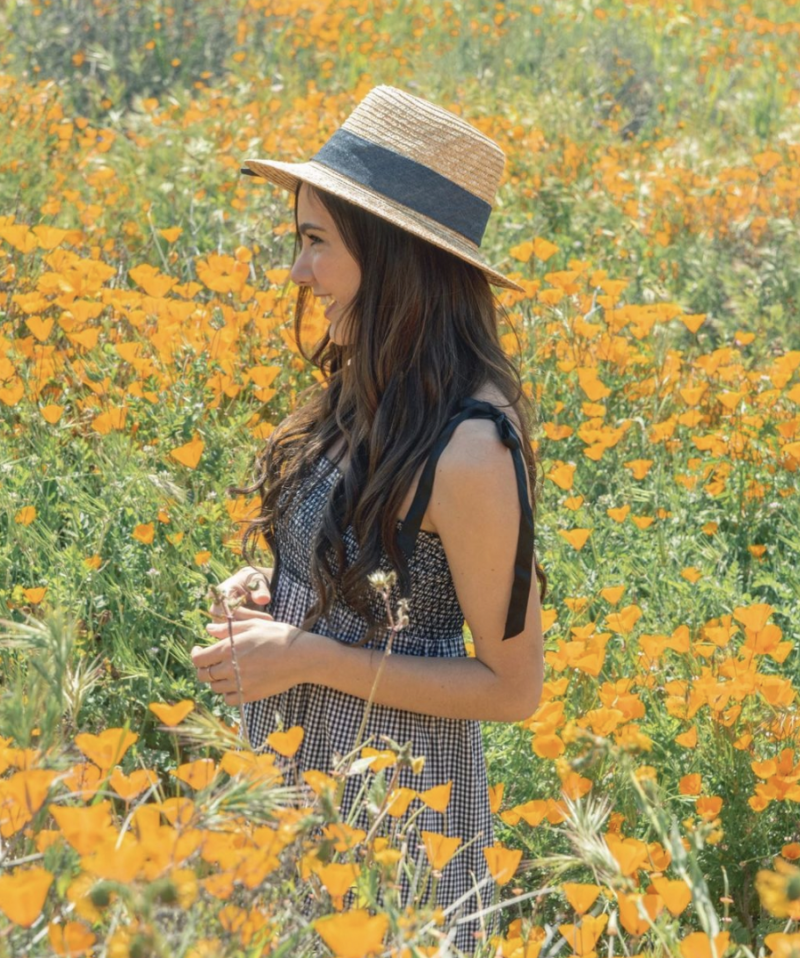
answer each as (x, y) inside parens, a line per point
(453, 748)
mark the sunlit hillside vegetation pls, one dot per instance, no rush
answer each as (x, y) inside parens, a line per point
(649, 209)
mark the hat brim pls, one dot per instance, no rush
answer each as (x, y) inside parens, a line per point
(288, 175)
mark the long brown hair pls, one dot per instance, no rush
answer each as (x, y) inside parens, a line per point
(426, 327)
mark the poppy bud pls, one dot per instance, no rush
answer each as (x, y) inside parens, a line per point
(100, 895)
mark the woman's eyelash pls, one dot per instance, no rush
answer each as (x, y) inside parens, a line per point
(313, 238)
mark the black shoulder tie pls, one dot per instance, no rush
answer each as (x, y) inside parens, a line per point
(523, 562)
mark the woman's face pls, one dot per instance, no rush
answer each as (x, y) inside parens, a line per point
(324, 263)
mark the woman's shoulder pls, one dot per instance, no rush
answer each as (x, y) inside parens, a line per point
(471, 430)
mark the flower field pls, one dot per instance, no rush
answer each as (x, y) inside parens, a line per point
(651, 211)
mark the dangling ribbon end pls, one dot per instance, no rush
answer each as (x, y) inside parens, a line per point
(512, 631)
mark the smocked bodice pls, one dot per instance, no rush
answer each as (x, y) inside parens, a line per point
(434, 611)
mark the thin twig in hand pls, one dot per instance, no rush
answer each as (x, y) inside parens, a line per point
(221, 597)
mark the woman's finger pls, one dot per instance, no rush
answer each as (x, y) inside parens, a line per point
(224, 629)
(245, 612)
(257, 585)
(212, 655)
(219, 676)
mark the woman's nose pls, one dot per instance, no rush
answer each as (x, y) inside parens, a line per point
(300, 273)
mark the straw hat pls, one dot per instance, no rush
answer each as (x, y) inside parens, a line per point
(411, 163)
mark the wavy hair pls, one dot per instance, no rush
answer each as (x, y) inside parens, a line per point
(426, 325)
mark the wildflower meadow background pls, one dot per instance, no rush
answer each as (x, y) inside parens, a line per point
(649, 209)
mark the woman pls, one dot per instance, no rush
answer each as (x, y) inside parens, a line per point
(401, 461)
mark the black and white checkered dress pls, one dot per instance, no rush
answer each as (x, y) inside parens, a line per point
(453, 748)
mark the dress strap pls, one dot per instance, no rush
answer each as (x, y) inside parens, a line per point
(523, 562)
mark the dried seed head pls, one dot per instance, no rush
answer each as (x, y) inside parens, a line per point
(382, 581)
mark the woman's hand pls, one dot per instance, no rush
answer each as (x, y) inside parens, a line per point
(268, 654)
(253, 582)
(271, 657)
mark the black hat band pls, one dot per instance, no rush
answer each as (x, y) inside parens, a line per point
(407, 182)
